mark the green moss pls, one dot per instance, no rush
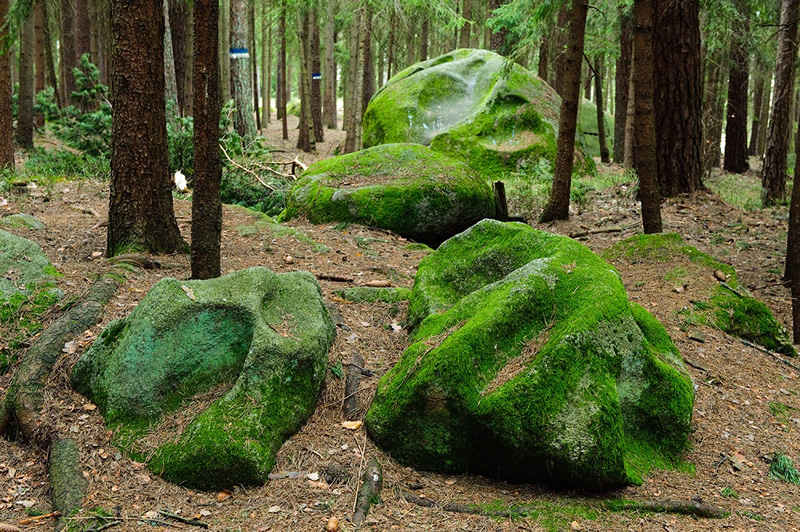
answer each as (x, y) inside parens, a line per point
(588, 123)
(406, 188)
(263, 221)
(258, 338)
(366, 294)
(21, 221)
(729, 306)
(528, 362)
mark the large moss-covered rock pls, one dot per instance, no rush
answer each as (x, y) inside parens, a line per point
(473, 105)
(529, 363)
(588, 122)
(23, 267)
(727, 305)
(22, 221)
(406, 188)
(205, 380)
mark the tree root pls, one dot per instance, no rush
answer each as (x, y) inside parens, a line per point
(66, 481)
(352, 380)
(370, 492)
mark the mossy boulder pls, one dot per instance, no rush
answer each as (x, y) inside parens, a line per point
(406, 188)
(473, 105)
(205, 380)
(21, 221)
(23, 267)
(528, 363)
(727, 304)
(588, 122)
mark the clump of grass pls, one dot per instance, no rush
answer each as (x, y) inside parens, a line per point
(782, 468)
(729, 492)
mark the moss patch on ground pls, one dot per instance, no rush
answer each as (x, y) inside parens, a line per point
(366, 294)
(250, 347)
(473, 105)
(405, 188)
(727, 304)
(527, 362)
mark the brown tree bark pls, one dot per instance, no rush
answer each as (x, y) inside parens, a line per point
(542, 67)
(466, 13)
(24, 132)
(678, 96)
(83, 30)
(178, 33)
(629, 157)
(329, 105)
(738, 84)
(38, 52)
(224, 51)
(557, 207)
(251, 25)
(316, 72)
(282, 85)
(755, 123)
(305, 134)
(6, 117)
(170, 77)
(497, 42)
(51, 78)
(559, 44)
(622, 75)
(773, 177)
(241, 85)
(266, 64)
(94, 35)
(423, 41)
(140, 213)
(206, 203)
(645, 128)
(599, 76)
(353, 89)
(67, 50)
(187, 105)
(713, 112)
(390, 49)
(368, 79)
(765, 113)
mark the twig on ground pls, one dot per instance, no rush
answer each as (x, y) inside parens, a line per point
(370, 491)
(187, 520)
(245, 169)
(333, 277)
(597, 232)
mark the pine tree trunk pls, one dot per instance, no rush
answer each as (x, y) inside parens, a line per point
(50, 64)
(353, 88)
(188, 74)
(645, 129)
(38, 52)
(466, 13)
(678, 96)
(140, 213)
(314, 76)
(629, 156)
(251, 25)
(6, 118)
(544, 50)
(793, 258)
(773, 178)
(206, 203)
(601, 117)
(83, 30)
(224, 51)
(67, 49)
(498, 39)
(94, 36)
(557, 207)
(104, 15)
(170, 77)
(758, 104)
(390, 52)
(560, 41)
(241, 85)
(423, 41)
(176, 22)
(713, 108)
(735, 160)
(622, 75)
(282, 67)
(368, 79)
(24, 132)
(305, 134)
(266, 65)
(765, 112)
(329, 107)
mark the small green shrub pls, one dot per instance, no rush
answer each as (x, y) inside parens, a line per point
(782, 468)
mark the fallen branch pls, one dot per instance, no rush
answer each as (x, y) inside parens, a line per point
(693, 508)
(272, 170)
(776, 356)
(370, 492)
(333, 277)
(352, 380)
(29, 520)
(187, 520)
(68, 487)
(597, 232)
(245, 169)
(695, 366)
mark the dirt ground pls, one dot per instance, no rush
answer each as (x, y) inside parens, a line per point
(732, 416)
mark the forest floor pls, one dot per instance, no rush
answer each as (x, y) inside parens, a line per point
(746, 403)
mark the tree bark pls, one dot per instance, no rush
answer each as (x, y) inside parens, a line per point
(713, 108)
(6, 117)
(353, 88)
(224, 51)
(423, 41)
(629, 158)
(559, 43)
(645, 128)
(187, 104)
(497, 42)
(678, 96)
(140, 213)
(773, 178)
(738, 84)
(755, 124)
(390, 52)
(622, 75)
(792, 266)
(251, 30)
(176, 22)
(329, 105)
(544, 51)
(305, 135)
(266, 64)
(206, 203)
(38, 52)
(599, 75)
(170, 76)
(368, 74)
(83, 30)
(314, 76)
(466, 13)
(557, 207)
(50, 65)
(282, 67)
(24, 131)
(241, 84)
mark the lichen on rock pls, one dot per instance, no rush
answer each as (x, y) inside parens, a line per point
(527, 362)
(405, 188)
(205, 380)
(473, 105)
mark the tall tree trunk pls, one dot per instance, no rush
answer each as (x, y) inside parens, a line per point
(353, 88)
(423, 41)
(765, 112)
(188, 74)
(773, 178)
(266, 64)
(6, 117)
(390, 52)
(140, 214)
(282, 67)
(466, 13)
(560, 42)
(645, 128)
(25, 104)
(38, 52)
(544, 50)
(206, 203)
(622, 75)
(629, 156)
(170, 78)
(678, 96)
(793, 257)
(50, 64)
(713, 108)
(557, 207)
(83, 30)
(738, 83)
(104, 15)
(329, 105)
(240, 71)
(315, 75)
(251, 23)
(368, 88)
(498, 39)
(94, 36)
(176, 22)
(224, 51)
(599, 66)
(67, 49)
(305, 134)
(758, 105)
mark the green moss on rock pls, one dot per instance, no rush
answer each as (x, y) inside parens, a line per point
(367, 294)
(528, 363)
(21, 221)
(473, 105)
(405, 188)
(259, 337)
(728, 306)
(588, 122)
